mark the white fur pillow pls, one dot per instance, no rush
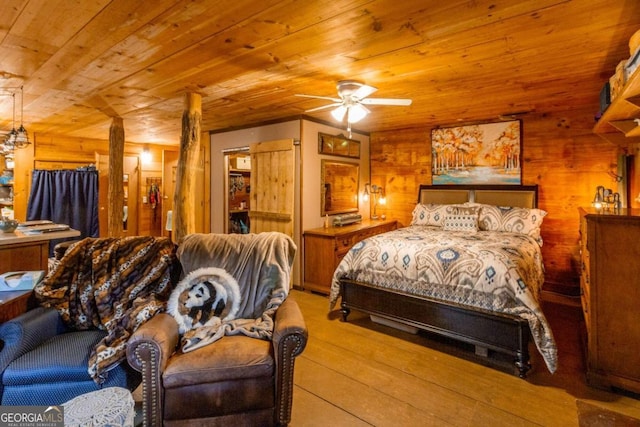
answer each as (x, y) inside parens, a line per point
(205, 297)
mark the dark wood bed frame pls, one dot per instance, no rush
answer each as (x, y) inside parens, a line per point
(486, 330)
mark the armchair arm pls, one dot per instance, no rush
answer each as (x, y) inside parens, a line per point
(27, 331)
(148, 351)
(289, 340)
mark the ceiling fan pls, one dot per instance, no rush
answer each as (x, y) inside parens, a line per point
(352, 100)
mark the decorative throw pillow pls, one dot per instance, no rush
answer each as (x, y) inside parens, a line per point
(435, 214)
(205, 297)
(461, 222)
(514, 220)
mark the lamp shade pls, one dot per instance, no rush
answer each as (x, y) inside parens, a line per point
(22, 138)
(356, 113)
(339, 113)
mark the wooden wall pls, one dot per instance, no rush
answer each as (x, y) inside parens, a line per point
(62, 152)
(560, 154)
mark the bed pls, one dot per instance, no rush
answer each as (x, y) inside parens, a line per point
(439, 274)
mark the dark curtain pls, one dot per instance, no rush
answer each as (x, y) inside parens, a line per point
(65, 197)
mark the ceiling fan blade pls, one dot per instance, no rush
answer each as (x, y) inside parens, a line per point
(364, 91)
(386, 101)
(335, 104)
(319, 97)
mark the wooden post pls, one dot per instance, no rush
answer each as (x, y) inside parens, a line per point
(116, 173)
(184, 218)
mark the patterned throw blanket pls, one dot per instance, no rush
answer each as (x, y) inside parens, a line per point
(260, 263)
(112, 284)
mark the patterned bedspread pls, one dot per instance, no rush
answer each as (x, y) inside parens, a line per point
(497, 271)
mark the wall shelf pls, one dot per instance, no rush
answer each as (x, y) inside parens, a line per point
(617, 123)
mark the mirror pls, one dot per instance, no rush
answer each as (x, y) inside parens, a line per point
(339, 187)
(338, 145)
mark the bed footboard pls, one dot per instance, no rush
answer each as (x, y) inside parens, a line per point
(495, 331)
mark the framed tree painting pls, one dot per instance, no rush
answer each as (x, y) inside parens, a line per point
(488, 153)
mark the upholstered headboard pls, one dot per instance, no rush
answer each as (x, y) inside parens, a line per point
(524, 196)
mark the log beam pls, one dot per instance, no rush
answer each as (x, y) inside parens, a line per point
(184, 201)
(116, 172)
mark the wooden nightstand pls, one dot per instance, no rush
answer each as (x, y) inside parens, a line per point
(324, 248)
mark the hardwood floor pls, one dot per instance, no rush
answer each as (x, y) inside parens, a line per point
(360, 373)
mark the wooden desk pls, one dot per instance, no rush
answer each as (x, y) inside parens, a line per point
(26, 252)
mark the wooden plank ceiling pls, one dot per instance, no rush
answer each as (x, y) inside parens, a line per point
(82, 62)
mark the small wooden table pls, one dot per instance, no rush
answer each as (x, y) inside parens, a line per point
(27, 252)
(14, 303)
(24, 252)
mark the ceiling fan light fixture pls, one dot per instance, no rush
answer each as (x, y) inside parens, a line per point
(352, 97)
(339, 112)
(356, 113)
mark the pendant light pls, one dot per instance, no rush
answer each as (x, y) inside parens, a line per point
(10, 140)
(22, 137)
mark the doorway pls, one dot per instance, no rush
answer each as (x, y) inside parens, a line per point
(131, 184)
(237, 184)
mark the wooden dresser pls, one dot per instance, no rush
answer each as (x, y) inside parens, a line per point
(325, 247)
(610, 288)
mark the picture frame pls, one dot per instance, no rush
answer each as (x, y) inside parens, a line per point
(484, 153)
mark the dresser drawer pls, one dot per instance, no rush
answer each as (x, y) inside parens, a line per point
(346, 242)
(324, 248)
(343, 244)
(373, 231)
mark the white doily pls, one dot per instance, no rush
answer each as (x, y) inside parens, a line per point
(111, 406)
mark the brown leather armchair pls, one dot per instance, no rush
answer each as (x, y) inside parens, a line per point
(238, 380)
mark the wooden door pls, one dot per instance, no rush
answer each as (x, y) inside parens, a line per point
(272, 186)
(131, 188)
